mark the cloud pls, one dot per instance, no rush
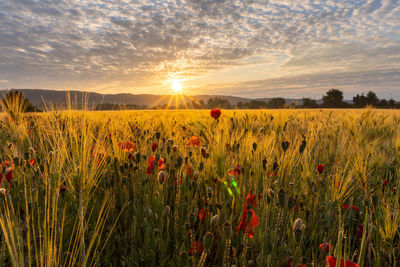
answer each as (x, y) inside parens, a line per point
(133, 45)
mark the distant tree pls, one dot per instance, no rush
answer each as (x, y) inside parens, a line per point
(333, 99)
(255, 104)
(277, 102)
(239, 105)
(359, 101)
(309, 103)
(383, 103)
(392, 103)
(372, 99)
(16, 101)
(218, 103)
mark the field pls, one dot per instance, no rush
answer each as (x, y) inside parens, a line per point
(181, 188)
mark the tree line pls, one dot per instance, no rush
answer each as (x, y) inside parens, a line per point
(332, 99)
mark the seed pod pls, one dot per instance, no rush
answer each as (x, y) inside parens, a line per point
(208, 240)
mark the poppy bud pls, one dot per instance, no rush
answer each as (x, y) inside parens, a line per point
(214, 220)
(154, 147)
(285, 145)
(175, 148)
(203, 151)
(227, 229)
(192, 220)
(298, 228)
(320, 168)
(158, 135)
(137, 157)
(291, 202)
(161, 177)
(254, 146)
(208, 240)
(282, 197)
(167, 210)
(210, 191)
(264, 164)
(218, 206)
(130, 155)
(302, 146)
(184, 258)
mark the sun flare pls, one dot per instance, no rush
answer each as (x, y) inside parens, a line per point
(176, 86)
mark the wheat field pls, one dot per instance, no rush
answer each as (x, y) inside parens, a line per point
(183, 188)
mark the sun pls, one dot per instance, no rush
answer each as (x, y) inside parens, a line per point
(176, 86)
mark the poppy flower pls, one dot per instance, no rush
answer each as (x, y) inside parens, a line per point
(385, 182)
(203, 214)
(253, 221)
(154, 147)
(63, 188)
(127, 146)
(150, 164)
(8, 171)
(32, 162)
(325, 246)
(215, 113)
(343, 263)
(189, 171)
(198, 248)
(194, 140)
(345, 207)
(320, 168)
(236, 171)
(355, 208)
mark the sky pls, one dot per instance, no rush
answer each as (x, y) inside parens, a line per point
(253, 48)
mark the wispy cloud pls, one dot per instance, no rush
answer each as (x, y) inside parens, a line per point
(134, 46)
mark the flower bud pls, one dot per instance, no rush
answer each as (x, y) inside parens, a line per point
(214, 220)
(161, 177)
(208, 240)
(167, 210)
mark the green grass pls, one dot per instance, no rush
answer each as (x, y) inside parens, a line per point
(114, 214)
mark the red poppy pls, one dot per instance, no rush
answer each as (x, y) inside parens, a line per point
(325, 246)
(343, 263)
(320, 168)
(127, 146)
(154, 147)
(63, 188)
(8, 172)
(32, 162)
(189, 171)
(194, 140)
(355, 208)
(345, 207)
(385, 182)
(161, 164)
(236, 171)
(203, 214)
(254, 222)
(198, 248)
(150, 164)
(274, 174)
(215, 113)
